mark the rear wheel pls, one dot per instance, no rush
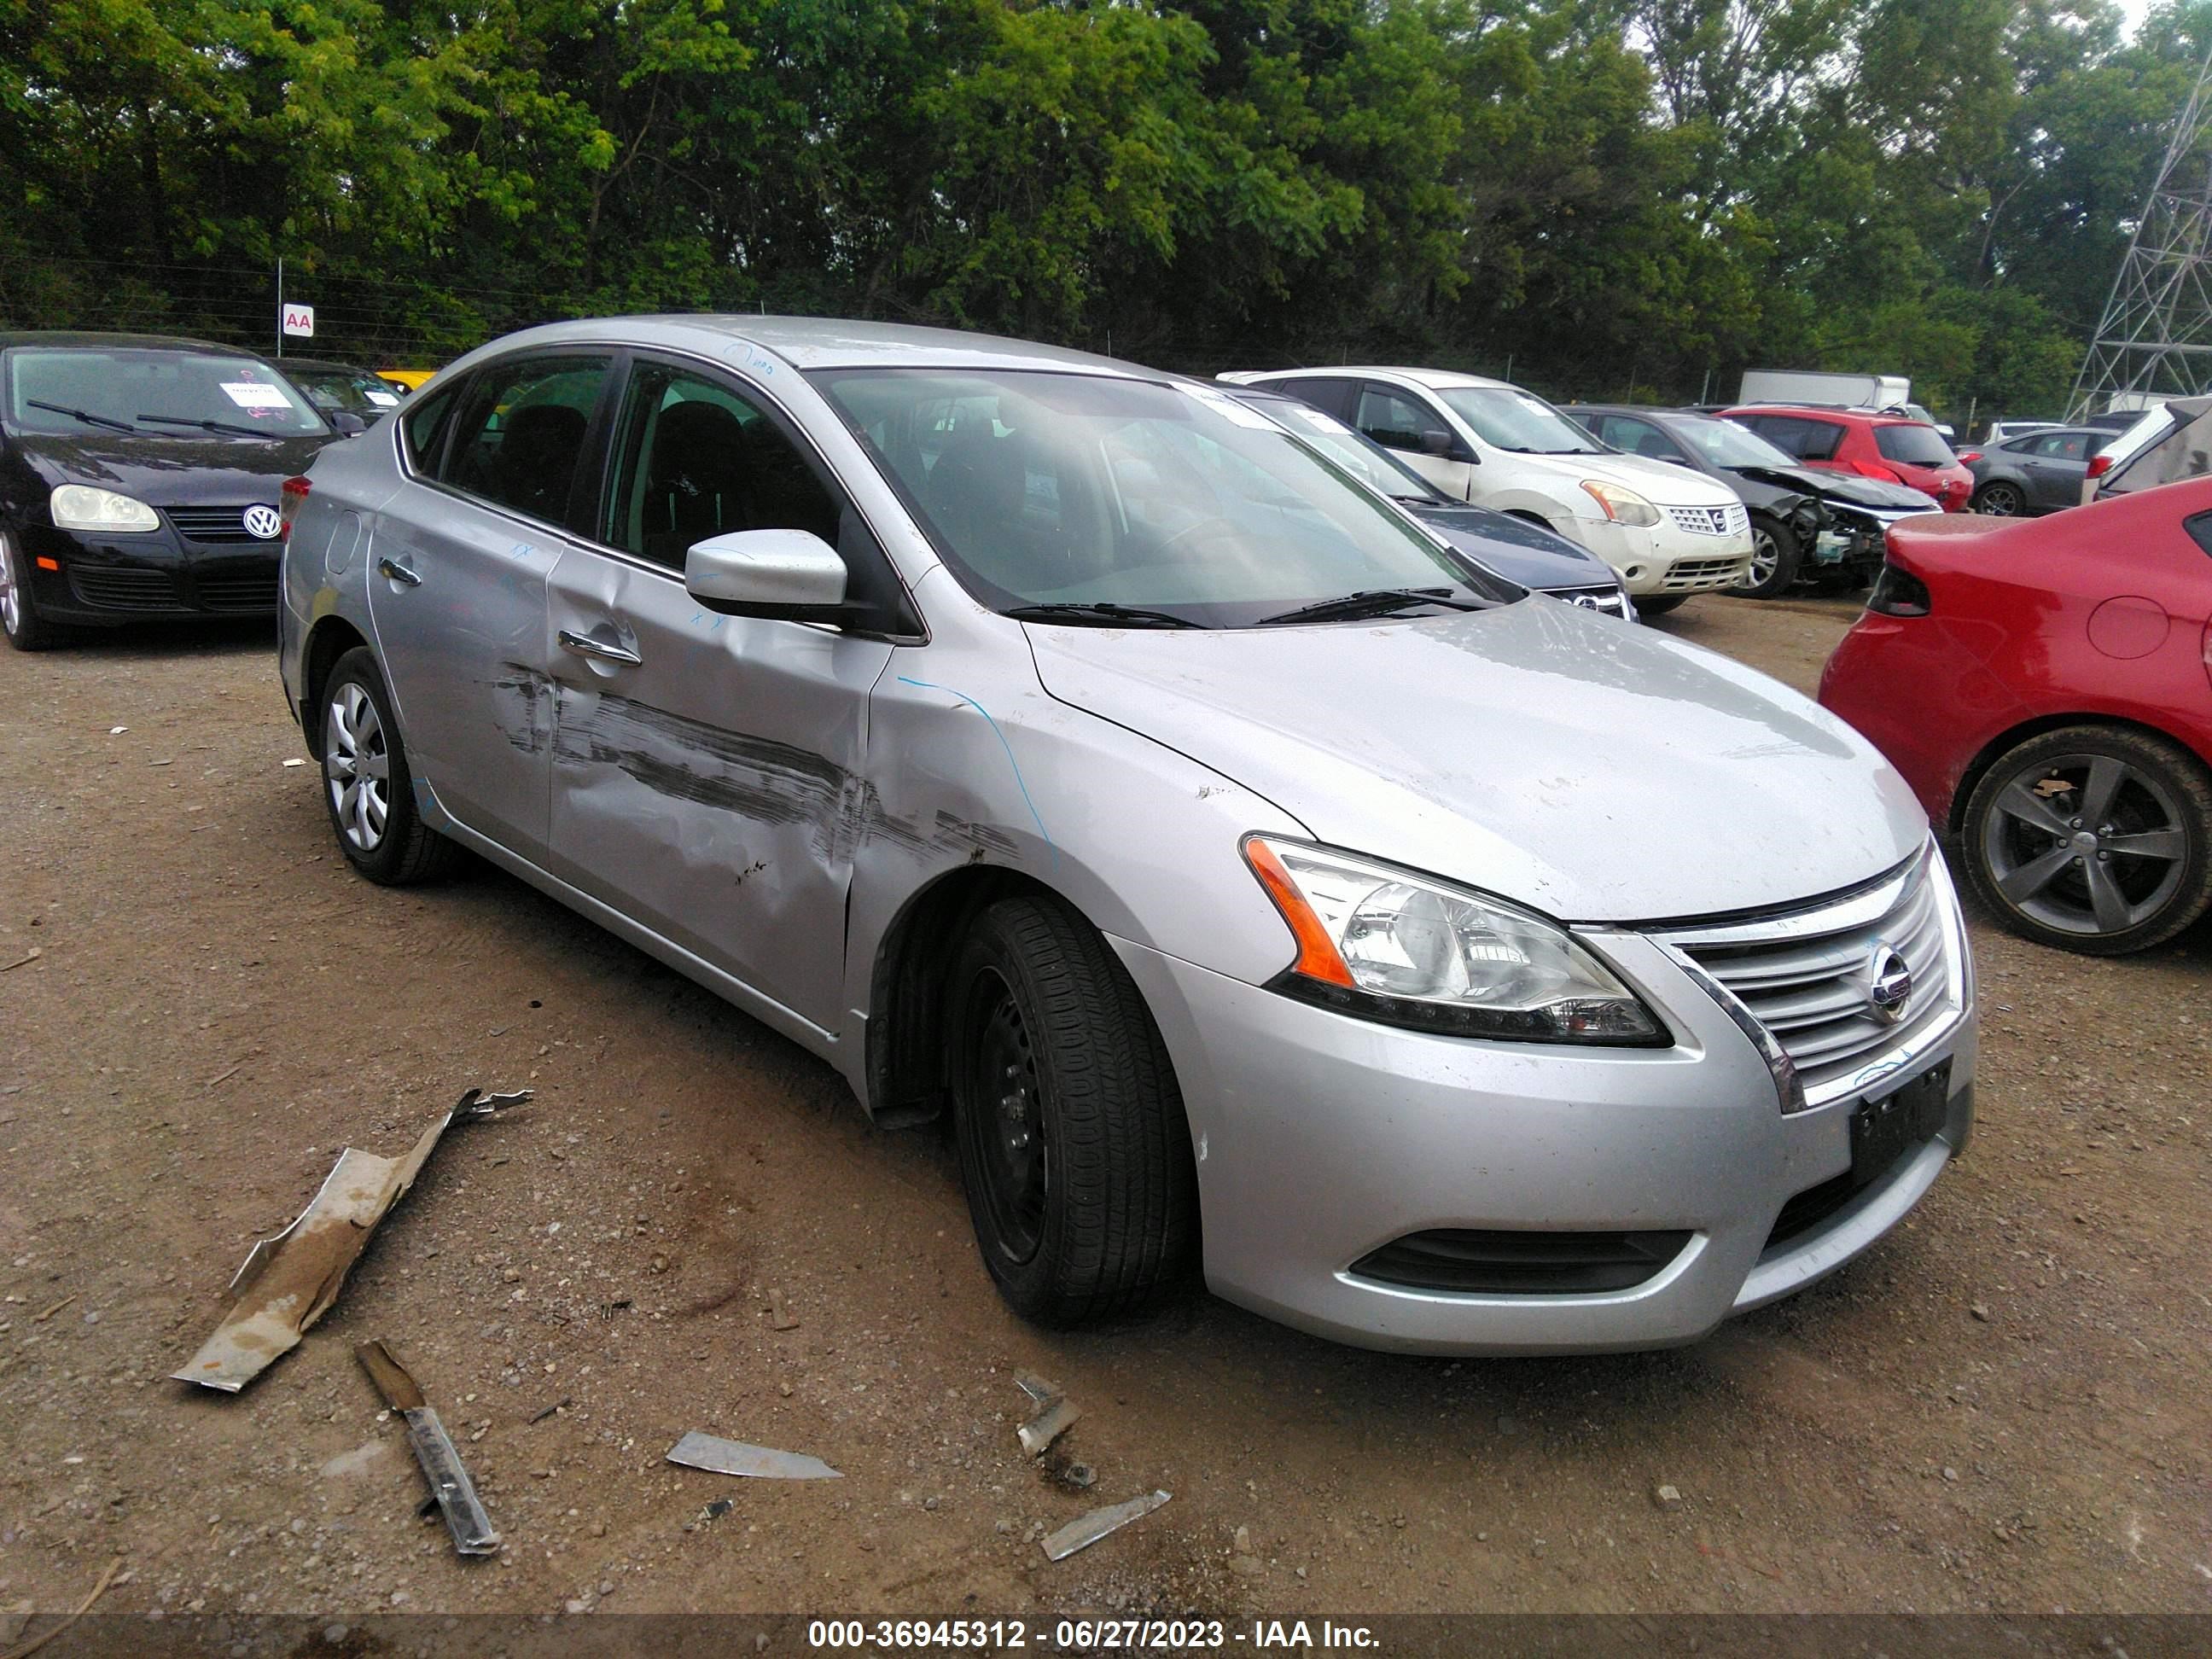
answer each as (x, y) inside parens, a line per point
(366, 788)
(2092, 838)
(27, 630)
(1774, 558)
(1073, 1147)
(2000, 499)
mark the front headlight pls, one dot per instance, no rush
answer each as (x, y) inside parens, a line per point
(1621, 504)
(81, 506)
(1407, 950)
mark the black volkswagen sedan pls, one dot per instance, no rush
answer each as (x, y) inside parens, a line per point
(141, 477)
(1825, 528)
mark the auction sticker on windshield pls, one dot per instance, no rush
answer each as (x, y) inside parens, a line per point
(251, 394)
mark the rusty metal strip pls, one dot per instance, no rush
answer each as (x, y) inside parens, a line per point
(451, 1489)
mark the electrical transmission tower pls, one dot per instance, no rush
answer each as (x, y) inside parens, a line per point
(2155, 336)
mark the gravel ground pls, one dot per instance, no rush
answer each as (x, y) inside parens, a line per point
(2003, 1405)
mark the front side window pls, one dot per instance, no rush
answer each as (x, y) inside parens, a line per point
(1915, 446)
(519, 436)
(1393, 419)
(1048, 490)
(153, 393)
(694, 459)
(1638, 438)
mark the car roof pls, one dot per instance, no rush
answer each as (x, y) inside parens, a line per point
(1829, 412)
(65, 339)
(812, 342)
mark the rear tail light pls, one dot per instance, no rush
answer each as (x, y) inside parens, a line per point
(1966, 455)
(293, 498)
(2099, 466)
(1899, 592)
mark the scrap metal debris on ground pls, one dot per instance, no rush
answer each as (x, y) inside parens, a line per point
(288, 1282)
(711, 1452)
(1059, 1414)
(1085, 1530)
(451, 1489)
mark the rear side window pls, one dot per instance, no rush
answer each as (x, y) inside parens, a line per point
(422, 428)
(1808, 440)
(1323, 392)
(519, 433)
(2200, 530)
(2063, 446)
(1915, 446)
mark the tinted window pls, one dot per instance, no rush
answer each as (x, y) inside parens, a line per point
(519, 432)
(1808, 440)
(2022, 445)
(695, 459)
(422, 428)
(1915, 446)
(1393, 419)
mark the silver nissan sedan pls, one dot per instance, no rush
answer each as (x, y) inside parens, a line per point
(1058, 746)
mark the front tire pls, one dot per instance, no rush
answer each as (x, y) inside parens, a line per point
(1774, 555)
(368, 790)
(27, 630)
(2090, 838)
(1073, 1147)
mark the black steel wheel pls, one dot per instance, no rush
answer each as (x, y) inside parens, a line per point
(2096, 838)
(1072, 1144)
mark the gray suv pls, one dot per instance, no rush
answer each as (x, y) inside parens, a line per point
(1058, 747)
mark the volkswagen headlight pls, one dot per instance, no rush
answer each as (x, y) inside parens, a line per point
(81, 506)
(1412, 951)
(1621, 504)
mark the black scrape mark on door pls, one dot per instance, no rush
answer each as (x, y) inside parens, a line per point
(525, 706)
(756, 778)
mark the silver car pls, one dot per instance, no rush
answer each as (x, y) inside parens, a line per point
(1058, 746)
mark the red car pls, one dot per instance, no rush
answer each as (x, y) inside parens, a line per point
(2045, 687)
(1889, 447)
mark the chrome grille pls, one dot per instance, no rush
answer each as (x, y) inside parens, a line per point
(1806, 976)
(1711, 520)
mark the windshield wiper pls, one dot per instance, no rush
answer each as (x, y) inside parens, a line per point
(1104, 611)
(1371, 602)
(84, 414)
(206, 426)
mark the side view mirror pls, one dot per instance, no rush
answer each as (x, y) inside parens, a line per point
(1435, 441)
(349, 424)
(791, 574)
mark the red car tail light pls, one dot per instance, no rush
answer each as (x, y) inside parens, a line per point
(1966, 455)
(1899, 592)
(2099, 466)
(293, 496)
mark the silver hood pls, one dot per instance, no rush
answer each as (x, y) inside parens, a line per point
(1588, 767)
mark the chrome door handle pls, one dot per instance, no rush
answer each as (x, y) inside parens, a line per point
(585, 646)
(398, 573)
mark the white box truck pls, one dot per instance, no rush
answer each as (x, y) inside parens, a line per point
(1879, 394)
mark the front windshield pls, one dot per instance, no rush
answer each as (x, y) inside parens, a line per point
(151, 391)
(1726, 444)
(1506, 418)
(1357, 454)
(356, 392)
(1083, 490)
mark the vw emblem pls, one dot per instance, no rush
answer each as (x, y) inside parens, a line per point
(262, 523)
(1889, 984)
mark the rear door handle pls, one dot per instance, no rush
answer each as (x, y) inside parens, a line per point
(398, 573)
(584, 645)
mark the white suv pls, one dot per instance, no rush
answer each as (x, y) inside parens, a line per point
(1670, 532)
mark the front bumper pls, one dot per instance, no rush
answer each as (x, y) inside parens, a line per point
(1321, 1138)
(85, 578)
(1662, 559)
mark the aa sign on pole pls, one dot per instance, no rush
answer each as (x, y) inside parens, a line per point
(297, 320)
